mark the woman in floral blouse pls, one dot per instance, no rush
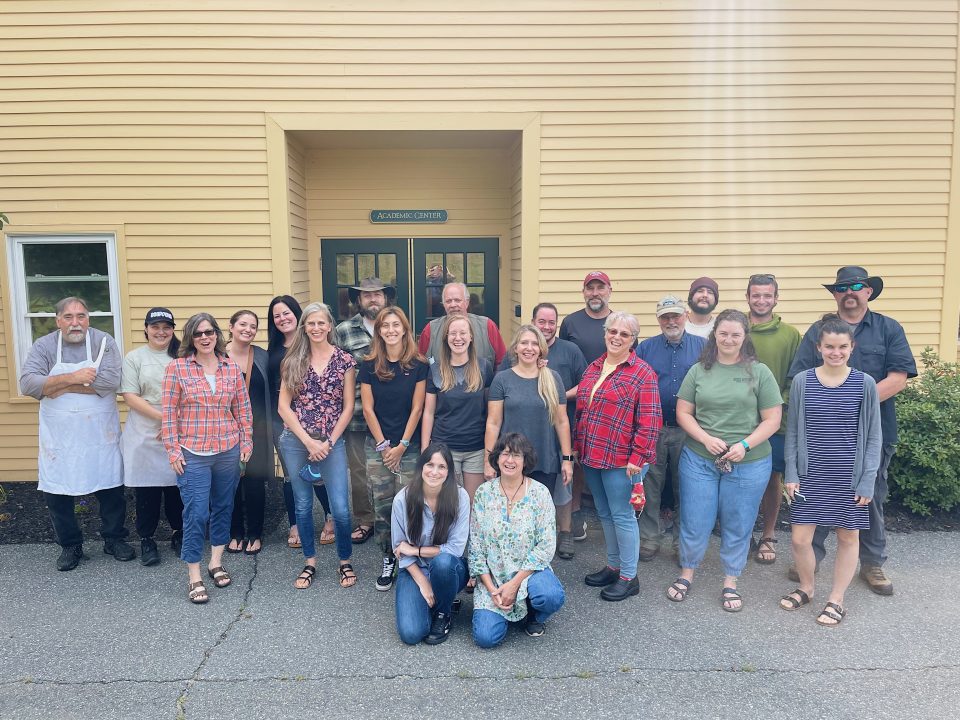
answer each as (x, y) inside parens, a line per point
(317, 381)
(513, 535)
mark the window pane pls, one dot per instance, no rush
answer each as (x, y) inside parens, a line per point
(387, 268)
(42, 296)
(345, 270)
(46, 325)
(366, 266)
(475, 268)
(65, 259)
(455, 267)
(477, 302)
(343, 305)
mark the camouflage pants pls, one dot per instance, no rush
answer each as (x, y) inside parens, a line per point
(359, 494)
(383, 485)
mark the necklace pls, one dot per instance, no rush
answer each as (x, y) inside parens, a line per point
(511, 499)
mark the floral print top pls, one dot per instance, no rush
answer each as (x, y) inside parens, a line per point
(319, 403)
(502, 544)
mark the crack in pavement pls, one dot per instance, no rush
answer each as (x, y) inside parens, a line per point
(520, 675)
(181, 701)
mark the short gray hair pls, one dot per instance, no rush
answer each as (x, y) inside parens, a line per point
(618, 316)
(62, 305)
(462, 286)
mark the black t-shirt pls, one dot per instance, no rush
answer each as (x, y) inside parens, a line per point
(460, 418)
(393, 400)
(586, 333)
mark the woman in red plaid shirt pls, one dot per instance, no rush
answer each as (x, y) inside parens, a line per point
(207, 432)
(617, 424)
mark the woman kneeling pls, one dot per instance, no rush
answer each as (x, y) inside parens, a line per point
(429, 525)
(513, 535)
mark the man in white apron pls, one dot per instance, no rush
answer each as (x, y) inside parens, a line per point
(75, 374)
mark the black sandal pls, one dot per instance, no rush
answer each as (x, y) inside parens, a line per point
(241, 546)
(730, 595)
(306, 576)
(680, 586)
(794, 603)
(833, 612)
(365, 534)
(348, 578)
(250, 543)
(768, 550)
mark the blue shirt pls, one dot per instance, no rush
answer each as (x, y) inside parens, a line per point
(880, 347)
(670, 361)
(456, 543)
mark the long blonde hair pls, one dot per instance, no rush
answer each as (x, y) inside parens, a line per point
(472, 378)
(296, 363)
(546, 385)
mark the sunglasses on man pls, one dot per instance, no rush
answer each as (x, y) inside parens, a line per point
(856, 287)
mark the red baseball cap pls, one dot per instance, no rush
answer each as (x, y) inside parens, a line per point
(597, 275)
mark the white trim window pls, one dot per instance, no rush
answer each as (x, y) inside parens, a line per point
(47, 268)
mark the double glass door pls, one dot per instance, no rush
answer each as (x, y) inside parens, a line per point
(418, 268)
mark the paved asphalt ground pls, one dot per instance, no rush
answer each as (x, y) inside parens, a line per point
(116, 640)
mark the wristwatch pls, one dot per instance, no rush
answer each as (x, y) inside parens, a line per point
(405, 443)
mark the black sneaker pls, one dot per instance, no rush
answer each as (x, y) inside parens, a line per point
(120, 549)
(439, 628)
(387, 575)
(534, 628)
(176, 541)
(70, 557)
(149, 554)
(565, 545)
(579, 527)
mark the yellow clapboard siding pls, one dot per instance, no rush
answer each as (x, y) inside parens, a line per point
(675, 139)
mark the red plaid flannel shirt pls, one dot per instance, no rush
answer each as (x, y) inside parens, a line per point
(202, 420)
(623, 422)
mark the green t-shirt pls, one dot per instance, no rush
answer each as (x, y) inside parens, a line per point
(728, 400)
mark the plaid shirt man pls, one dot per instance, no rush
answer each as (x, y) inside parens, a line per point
(353, 337)
(200, 419)
(623, 422)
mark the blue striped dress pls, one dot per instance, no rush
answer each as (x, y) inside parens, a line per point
(832, 422)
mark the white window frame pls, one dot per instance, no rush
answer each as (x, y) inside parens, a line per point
(23, 336)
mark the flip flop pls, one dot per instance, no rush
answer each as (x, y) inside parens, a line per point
(241, 546)
(259, 543)
(327, 537)
(293, 542)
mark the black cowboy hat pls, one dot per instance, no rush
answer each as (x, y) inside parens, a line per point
(372, 284)
(850, 274)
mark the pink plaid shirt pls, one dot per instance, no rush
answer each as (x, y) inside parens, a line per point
(200, 419)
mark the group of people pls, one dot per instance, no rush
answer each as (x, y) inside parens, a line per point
(467, 459)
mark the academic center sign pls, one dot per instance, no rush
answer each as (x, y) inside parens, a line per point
(408, 216)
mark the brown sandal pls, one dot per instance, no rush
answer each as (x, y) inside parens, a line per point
(305, 577)
(831, 615)
(348, 578)
(197, 593)
(768, 550)
(220, 576)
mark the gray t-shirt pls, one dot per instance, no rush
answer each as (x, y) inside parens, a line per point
(567, 360)
(43, 356)
(143, 371)
(525, 413)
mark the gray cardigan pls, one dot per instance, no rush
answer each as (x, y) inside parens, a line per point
(866, 462)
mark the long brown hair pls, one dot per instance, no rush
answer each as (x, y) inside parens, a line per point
(296, 363)
(187, 348)
(378, 348)
(472, 377)
(448, 502)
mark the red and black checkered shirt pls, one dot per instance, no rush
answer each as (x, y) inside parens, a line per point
(623, 422)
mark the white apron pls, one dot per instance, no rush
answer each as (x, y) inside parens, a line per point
(145, 461)
(79, 436)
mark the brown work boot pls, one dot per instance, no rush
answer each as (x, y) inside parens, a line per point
(876, 579)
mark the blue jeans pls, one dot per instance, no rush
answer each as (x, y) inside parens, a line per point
(611, 490)
(734, 496)
(333, 470)
(545, 595)
(448, 576)
(207, 488)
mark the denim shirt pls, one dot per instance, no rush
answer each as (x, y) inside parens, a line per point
(670, 362)
(456, 543)
(880, 348)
